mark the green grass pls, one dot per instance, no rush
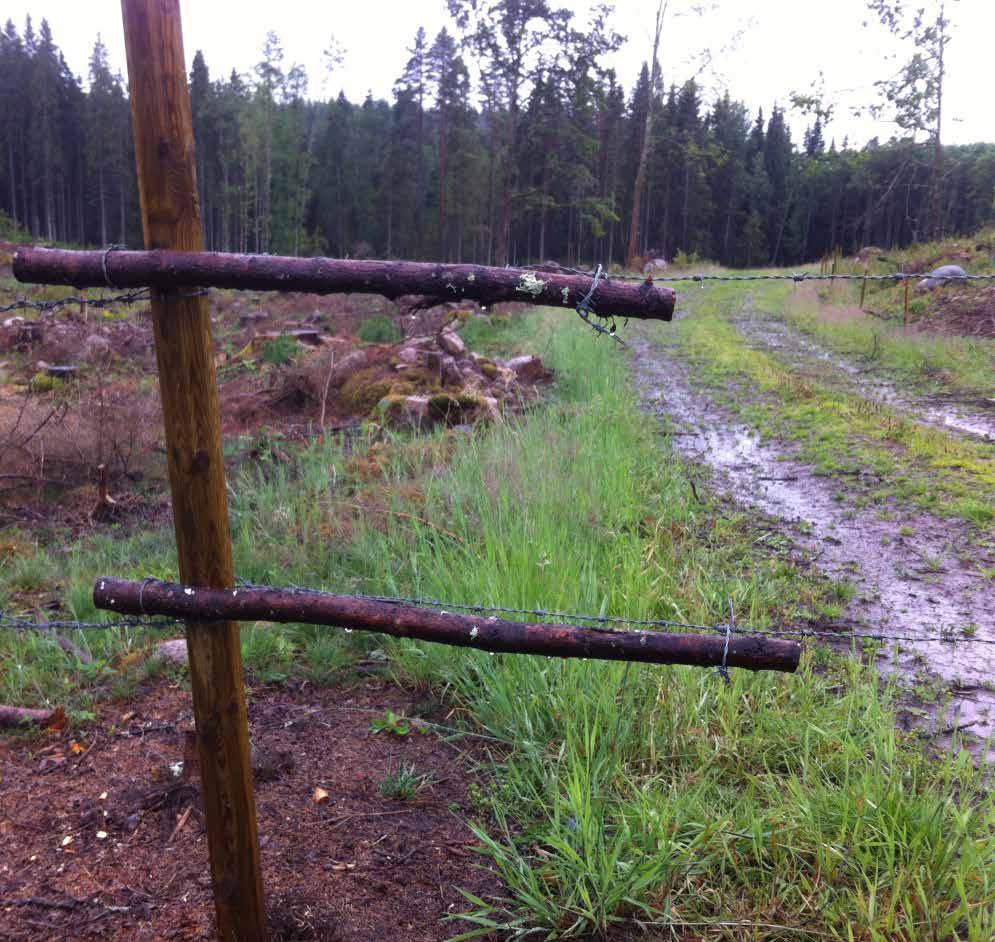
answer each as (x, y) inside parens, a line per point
(837, 430)
(405, 784)
(932, 362)
(779, 806)
(379, 329)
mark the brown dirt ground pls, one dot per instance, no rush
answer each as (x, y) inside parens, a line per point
(359, 867)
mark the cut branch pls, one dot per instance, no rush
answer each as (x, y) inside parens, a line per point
(11, 716)
(166, 270)
(408, 621)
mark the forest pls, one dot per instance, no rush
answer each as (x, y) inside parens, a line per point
(505, 142)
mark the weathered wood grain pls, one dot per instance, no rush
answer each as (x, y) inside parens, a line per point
(171, 219)
(259, 603)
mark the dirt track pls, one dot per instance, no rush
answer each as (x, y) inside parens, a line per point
(911, 579)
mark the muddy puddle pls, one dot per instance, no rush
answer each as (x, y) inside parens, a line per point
(801, 352)
(915, 576)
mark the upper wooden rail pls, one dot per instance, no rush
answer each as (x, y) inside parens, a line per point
(118, 268)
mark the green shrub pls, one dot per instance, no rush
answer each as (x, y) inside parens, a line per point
(380, 329)
(280, 351)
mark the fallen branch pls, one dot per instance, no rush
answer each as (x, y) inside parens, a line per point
(408, 621)
(166, 270)
(11, 716)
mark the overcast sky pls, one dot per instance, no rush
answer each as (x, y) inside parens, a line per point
(782, 46)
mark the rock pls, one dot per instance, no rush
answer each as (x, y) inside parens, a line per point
(528, 369)
(940, 276)
(868, 252)
(349, 364)
(452, 343)
(491, 408)
(410, 413)
(269, 764)
(95, 347)
(449, 372)
(173, 652)
(409, 355)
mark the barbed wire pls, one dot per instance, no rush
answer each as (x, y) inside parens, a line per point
(604, 621)
(128, 297)
(765, 276)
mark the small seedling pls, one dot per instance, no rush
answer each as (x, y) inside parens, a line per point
(405, 784)
(391, 722)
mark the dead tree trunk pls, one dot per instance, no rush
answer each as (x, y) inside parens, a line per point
(437, 283)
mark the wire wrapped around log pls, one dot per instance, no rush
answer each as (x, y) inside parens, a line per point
(166, 270)
(261, 603)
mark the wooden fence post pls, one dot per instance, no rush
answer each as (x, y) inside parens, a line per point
(171, 219)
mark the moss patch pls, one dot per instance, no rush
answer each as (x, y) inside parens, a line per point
(364, 389)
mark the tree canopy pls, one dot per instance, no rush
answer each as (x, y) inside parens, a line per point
(537, 160)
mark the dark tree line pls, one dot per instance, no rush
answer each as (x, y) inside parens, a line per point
(538, 161)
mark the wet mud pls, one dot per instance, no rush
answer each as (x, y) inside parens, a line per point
(916, 576)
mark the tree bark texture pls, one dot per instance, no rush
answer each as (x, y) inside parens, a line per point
(171, 270)
(487, 633)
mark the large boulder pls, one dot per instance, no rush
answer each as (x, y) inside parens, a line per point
(941, 276)
(349, 364)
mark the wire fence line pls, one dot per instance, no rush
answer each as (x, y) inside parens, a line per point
(799, 276)
(129, 297)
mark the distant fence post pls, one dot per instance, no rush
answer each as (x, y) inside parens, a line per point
(171, 219)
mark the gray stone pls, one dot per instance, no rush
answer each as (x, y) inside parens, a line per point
(173, 652)
(449, 372)
(349, 364)
(452, 343)
(95, 347)
(940, 276)
(409, 355)
(528, 369)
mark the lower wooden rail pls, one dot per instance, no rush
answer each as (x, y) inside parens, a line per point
(260, 603)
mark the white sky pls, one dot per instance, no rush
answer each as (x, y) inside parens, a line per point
(782, 47)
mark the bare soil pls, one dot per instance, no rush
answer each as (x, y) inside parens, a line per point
(52, 440)
(100, 838)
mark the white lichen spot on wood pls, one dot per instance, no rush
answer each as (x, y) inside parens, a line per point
(474, 631)
(451, 287)
(530, 284)
(188, 591)
(471, 277)
(566, 295)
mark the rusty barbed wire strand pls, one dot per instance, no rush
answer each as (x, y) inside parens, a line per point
(128, 297)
